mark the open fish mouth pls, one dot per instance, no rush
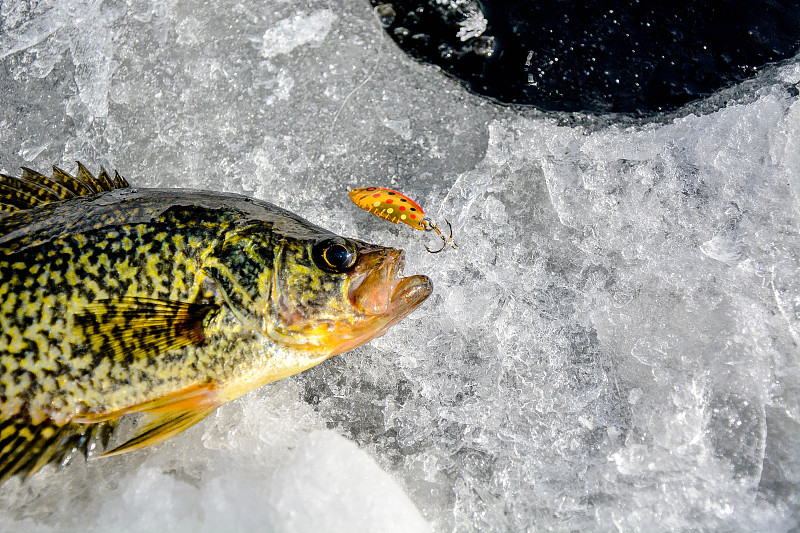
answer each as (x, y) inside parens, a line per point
(380, 295)
(382, 291)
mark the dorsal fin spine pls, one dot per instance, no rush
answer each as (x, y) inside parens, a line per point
(105, 180)
(120, 182)
(86, 177)
(33, 189)
(73, 183)
(61, 192)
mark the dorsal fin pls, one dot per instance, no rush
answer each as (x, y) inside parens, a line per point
(33, 189)
(18, 193)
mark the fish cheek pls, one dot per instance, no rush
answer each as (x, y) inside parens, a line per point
(305, 295)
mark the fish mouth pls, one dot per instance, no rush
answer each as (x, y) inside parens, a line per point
(380, 290)
(409, 293)
(376, 297)
(381, 295)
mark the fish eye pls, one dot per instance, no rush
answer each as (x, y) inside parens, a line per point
(334, 254)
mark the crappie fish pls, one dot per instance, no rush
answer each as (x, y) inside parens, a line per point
(166, 302)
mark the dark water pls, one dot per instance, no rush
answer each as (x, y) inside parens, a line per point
(631, 57)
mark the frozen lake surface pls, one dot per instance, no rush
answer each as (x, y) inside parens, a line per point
(613, 347)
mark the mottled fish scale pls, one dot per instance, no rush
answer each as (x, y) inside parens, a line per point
(77, 271)
(160, 259)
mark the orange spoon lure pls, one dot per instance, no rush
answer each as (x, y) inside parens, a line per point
(397, 207)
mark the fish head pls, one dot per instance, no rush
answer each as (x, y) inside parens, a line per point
(331, 294)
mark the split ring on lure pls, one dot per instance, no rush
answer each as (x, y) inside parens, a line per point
(397, 207)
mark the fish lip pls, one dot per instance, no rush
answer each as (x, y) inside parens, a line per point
(380, 290)
(409, 293)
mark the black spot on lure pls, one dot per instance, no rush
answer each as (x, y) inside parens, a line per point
(165, 302)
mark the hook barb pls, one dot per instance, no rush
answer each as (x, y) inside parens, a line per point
(431, 225)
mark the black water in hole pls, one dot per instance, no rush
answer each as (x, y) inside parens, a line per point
(629, 57)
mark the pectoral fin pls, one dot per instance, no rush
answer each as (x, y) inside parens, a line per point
(161, 427)
(131, 328)
(167, 416)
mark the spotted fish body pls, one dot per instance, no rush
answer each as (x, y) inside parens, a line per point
(116, 300)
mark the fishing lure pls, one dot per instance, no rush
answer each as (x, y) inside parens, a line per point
(397, 207)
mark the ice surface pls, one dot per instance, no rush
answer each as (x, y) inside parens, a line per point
(295, 31)
(613, 347)
(326, 484)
